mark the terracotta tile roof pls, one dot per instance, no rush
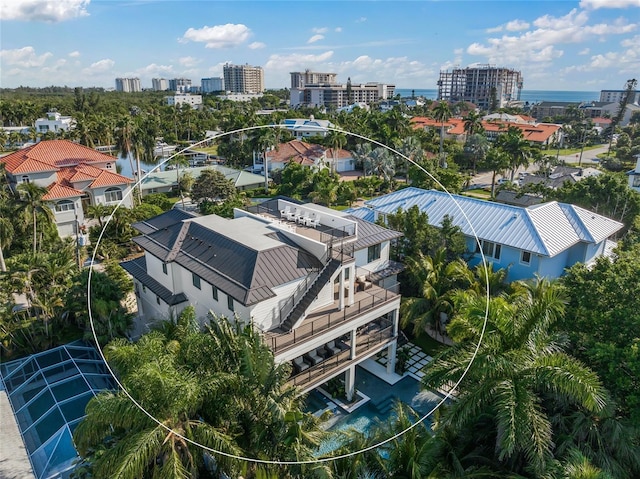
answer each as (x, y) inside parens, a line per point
(54, 154)
(106, 178)
(296, 149)
(340, 153)
(58, 191)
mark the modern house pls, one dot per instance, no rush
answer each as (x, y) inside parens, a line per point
(76, 176)
(542, 239)
(317, 283)
(54, 122)
(306, 154)
(179, 99)
(634, 176)
(305, 127)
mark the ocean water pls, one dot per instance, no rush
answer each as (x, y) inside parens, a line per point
(531, 96)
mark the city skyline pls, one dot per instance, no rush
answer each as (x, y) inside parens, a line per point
(561, 45)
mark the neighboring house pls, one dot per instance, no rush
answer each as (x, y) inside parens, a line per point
(54, 122)
(559, 176)
(179, 99)
(535, 133)
(76, 176)
(305, 154)
(304, 128)
(634, 176)
(542, 239)
(316, 282)
(165, 181)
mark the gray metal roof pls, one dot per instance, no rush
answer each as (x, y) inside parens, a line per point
(164, 220)
(244, 262)
(545, 229)
(167, 179)
(138, 269)
(370, 233)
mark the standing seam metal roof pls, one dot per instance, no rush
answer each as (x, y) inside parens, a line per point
(545, 229)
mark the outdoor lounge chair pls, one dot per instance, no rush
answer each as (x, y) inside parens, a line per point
(285, 211)
(302, 218)
(313, 357)
(300, 364)
(313, 221)
(291, 215)
(332, 348)
(362, 283)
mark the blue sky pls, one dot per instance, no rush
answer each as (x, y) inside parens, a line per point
(558, 45)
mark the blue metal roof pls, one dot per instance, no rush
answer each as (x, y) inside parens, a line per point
(545, 229)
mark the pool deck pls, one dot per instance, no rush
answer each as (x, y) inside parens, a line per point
(14, 462)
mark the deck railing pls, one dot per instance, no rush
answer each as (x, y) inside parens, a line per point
(310, 328)
(364, 342)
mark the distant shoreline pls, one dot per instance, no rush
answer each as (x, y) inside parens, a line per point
(531, 96)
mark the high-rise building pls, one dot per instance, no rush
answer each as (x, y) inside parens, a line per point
(210, 85)
(159, 84)
(616, 96)
(180, 85)
(128, 84)
(307, 77)
(486, 86)
(243, 78)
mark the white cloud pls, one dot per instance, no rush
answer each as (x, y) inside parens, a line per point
(74, 54)
(337, 29)
(543, 43)
(361, 20)
(320, 30)
(256, 45)
(584, 51)
(596, 4)
(516, 25)
(315, 38)
(25, 57)
(385, 70)
(49, 11)
(219, 36)
(188, 61)
(101, 66)
(296, 61)
(154, 70)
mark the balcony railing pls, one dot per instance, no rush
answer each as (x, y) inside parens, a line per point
(364, 342)
(375, 297)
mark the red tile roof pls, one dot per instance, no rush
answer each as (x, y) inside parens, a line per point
(70, 161)
(52, 154)
(298, 151)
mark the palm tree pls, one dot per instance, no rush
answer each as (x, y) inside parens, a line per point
(380, 163)
(361, 153)
(436, 280)
(442, 113)
(478, 145)
(6, 236)
(32, 205)
(178, 161)
(267, 139)
(515, 374)
(472, 123)
(516, 148)
(336, 141)
(496, 161)
(410, 147)
(99, 212)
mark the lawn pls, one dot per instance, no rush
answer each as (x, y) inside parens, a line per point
(478, 193)
(209, 150)
(425, 342)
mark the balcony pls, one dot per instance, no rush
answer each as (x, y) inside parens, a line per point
(329, 317)
(369, 340)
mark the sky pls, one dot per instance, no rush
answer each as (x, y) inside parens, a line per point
(586, 45)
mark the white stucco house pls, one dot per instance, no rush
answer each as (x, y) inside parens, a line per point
(306, 154)
(75, 176)
(318, 283)
(542, 239)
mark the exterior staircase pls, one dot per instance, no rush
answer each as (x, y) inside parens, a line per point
(311, 293)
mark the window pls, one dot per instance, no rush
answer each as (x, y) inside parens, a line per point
(214, 292)
(25, 179)
(112, 194)
(64, 205)
(108, 165)
(373, 253)
(636, 180)
(164, 268)
(158, 299)
(144, 288)
(490, 249)
(195, 279)
(525, 257)
(230, 303)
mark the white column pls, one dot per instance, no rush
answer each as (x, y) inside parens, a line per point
(391, 357)
(341, 290)
(352, 286)
(353, 344)
(350, 382)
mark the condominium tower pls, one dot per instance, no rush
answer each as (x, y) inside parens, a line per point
(487, 86)
(128, 84)
(243, 78)
(209, 85)
(159, 84)
(307, 77)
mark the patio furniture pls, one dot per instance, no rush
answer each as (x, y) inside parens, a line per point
(300, 364)
(313, 357)
(302, 218)
(285, 211)
(362, 283)
(291, 215)
(313, 221)
(332, 348)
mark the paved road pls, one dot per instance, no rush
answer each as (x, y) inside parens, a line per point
(589, 158)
